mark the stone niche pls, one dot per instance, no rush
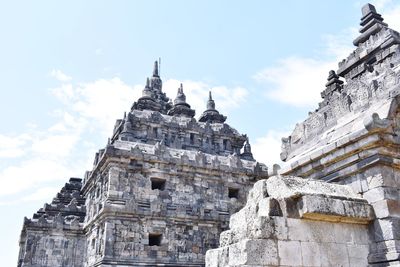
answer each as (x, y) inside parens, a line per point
(291, 221)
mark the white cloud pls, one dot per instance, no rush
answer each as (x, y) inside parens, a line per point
(66, 148)
(296, 81)
(12, 147)
(59, 75)
(100, 102)
(197, 95)
(267, 149)
(31, 173)
(43, 193)
(391, 15)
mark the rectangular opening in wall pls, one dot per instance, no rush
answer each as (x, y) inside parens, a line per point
(192, 138)
(225, 144)
(157, 184)
(155, 239)
(155, 132)
(233, 192)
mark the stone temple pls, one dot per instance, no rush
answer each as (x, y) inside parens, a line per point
(170, 190)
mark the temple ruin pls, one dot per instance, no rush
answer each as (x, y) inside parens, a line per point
(170, 190)
(336, 202)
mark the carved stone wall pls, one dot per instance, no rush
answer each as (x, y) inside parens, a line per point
(361, 147)
(199, 191)
(159, 193)
(289, 221)
(54, 236)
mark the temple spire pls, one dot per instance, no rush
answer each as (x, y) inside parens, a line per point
(181, 108)
(153, 98)
(155, 69)
(180, 96)
(371, 23)
(210, 102)
(247, 155)
(211, 115)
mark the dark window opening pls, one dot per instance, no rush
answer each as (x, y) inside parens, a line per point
(155, 239)
(225, 143)
(155, 132)
(233, 192)
(157, 184)
(192, 138)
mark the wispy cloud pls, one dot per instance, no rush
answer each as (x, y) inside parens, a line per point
(43, 157)
(196, 92)
(267, 148)
(59, 75)
(298, 81)
(13, 147)
(99, 103)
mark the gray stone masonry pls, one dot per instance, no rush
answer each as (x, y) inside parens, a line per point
(290, 221)
(353, 137)
(159, 193)
(54, 236)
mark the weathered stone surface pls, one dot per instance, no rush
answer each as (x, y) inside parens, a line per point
(353, 137)
(159, 193)
(162, 190)
(302, 233)
(55, 236)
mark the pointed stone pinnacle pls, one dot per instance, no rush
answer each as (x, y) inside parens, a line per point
(155, 69)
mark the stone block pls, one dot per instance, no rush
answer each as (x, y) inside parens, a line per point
(358, 255)
(380, 193)
(269, 207)
(292, 187)
(386, 229)
(255, 252)
(334, 254)
(261, 227)
(386, 208)
(310, 254)
(335, 210)
(289, 253)
(217, 257)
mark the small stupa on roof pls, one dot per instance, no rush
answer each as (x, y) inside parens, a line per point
(212, 115)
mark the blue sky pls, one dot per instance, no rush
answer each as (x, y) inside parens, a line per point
(69, 69)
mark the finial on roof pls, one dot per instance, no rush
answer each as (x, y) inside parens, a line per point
(155, 69)
(181, 108)
(371, 23)
(368, 8)
(247, 155)
(210, 102)
(211, 114)
(333, 78)
(148, 82)
(180, 97)
(333, 84)
(180, 89)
